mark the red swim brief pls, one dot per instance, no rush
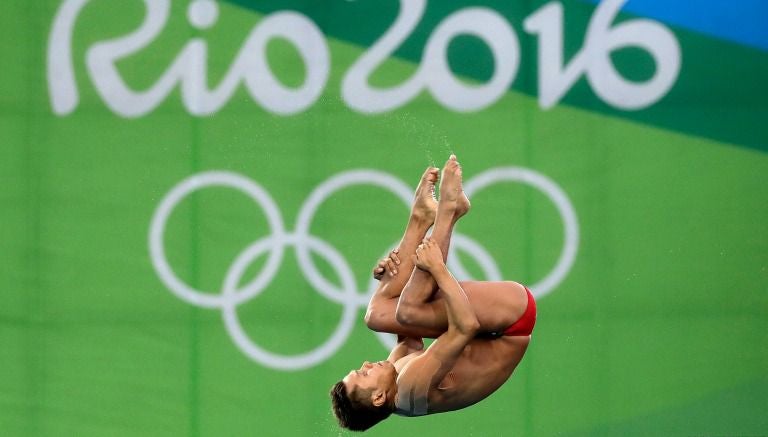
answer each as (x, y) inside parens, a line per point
(524, 326)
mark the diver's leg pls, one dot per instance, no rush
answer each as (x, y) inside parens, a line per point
(380, 315)
(416, 305)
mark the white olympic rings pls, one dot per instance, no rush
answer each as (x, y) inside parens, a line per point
(348, 294)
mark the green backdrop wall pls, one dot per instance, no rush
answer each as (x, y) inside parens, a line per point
(194, 192)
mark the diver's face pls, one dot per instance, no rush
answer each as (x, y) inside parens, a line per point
(370, 376)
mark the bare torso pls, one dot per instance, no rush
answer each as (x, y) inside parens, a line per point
(482, 368)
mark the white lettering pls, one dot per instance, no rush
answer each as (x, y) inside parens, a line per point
(61, 75)
(500, 38)
(251, 68)
(555, 80)
(434, 72)
(189, 67)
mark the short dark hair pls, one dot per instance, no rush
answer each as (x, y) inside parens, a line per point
(354, 415)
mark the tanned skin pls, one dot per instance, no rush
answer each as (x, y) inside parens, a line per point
(418, 297)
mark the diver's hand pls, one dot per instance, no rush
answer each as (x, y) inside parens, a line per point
(388, 264)
(428, 256)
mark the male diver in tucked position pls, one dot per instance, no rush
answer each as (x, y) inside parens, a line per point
(482, 328)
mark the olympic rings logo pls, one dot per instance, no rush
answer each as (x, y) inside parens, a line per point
(348, 294)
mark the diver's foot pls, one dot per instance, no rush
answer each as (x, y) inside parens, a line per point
(452, 195)
(424, 202)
